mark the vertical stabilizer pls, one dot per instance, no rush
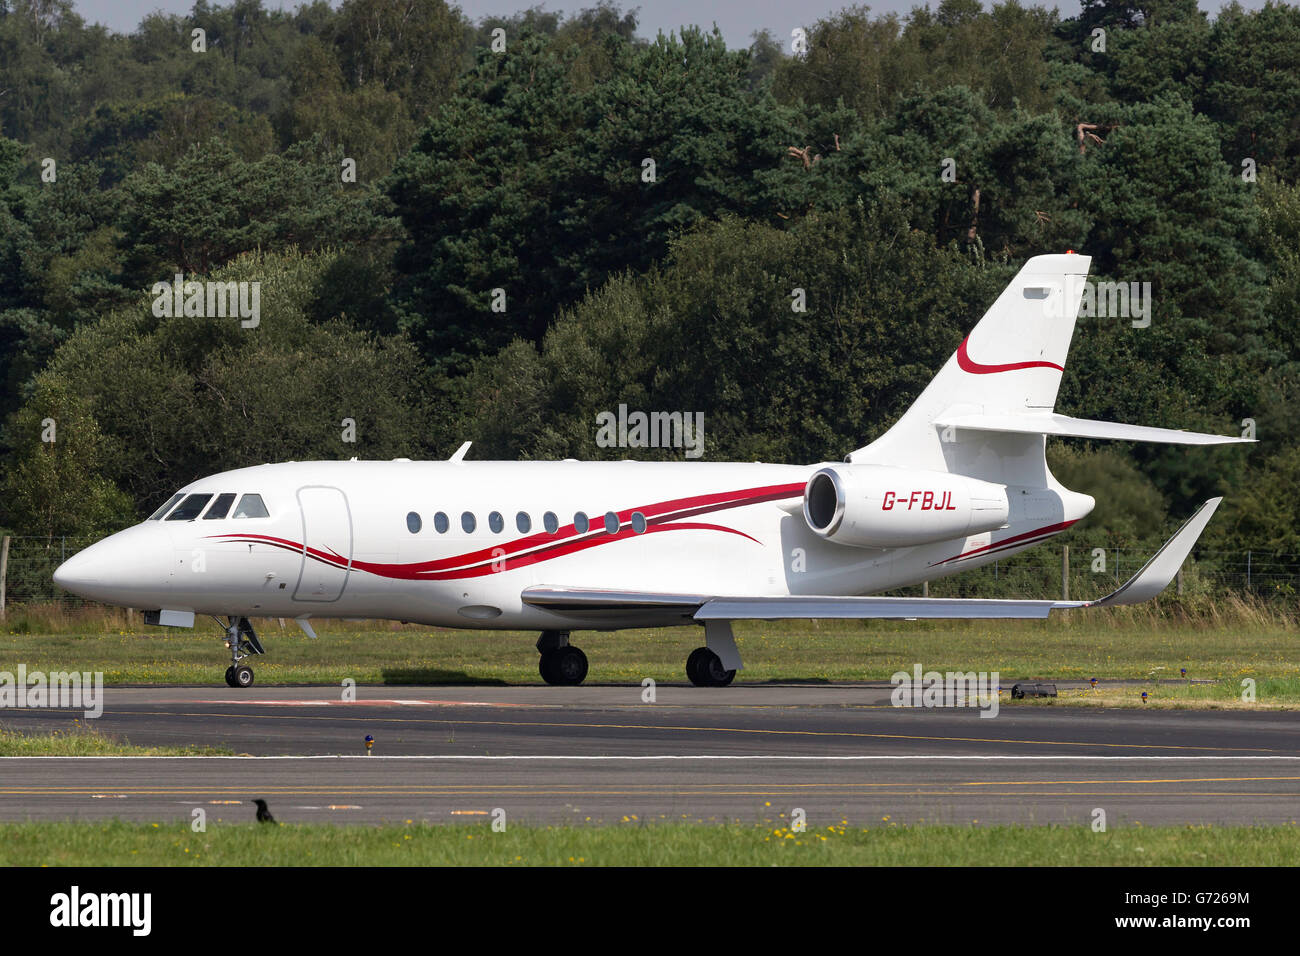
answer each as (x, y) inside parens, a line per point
(1010, 364)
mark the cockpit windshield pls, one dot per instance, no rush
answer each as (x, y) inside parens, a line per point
(221, 507)
(190, 508)
(167, 506)
(250, 506)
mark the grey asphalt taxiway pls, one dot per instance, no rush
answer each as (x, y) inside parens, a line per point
(602, 754)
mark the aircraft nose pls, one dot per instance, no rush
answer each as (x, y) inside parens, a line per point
(80, 571)
(126, 568)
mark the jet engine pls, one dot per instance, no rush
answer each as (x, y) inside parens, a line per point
(877, 506)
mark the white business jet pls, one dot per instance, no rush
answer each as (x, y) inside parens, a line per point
(959, 481)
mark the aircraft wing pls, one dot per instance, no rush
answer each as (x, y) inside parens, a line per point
(1153, 578)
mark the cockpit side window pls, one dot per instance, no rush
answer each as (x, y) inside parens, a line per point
(190, 508)
(167, 506)
(221, 507)
(251, 506)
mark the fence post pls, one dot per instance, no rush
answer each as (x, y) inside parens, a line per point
(1065, 572)
(4, 570)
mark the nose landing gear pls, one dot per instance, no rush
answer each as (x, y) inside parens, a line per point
(243, 643)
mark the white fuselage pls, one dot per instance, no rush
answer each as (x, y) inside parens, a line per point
(338, 541)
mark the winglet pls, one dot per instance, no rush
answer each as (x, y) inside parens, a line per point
(1164, 564)
(459, 454)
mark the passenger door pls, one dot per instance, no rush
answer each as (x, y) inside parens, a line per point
(327, 544)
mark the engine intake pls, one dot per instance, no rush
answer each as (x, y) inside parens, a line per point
(876, 506)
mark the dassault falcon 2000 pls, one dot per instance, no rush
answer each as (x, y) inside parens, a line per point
(960, 480)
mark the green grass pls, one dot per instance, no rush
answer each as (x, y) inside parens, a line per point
(1104, 644)
(1271, 693)
(1219, 643)
(117, 843)
(85, 741)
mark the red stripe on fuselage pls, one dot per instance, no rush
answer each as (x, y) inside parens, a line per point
(543, 546)
(1014, 539)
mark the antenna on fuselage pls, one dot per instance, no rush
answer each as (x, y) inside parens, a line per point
(460, 452)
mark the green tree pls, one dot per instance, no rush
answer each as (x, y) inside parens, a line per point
(525, 183)
(178, 398)
(212, 205)
(54, 482)
(715, 331)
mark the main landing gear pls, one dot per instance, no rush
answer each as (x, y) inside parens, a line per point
(715, 664)
(243, 643)
(561, 662)
(705, 669)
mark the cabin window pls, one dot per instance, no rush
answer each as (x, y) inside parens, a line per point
(220, 508)
(550, 522)
(523, 522)
(441, 523)
(580, 522)
(638, 522)
(413, 523)
(467, 522)
(190, 508)
(611, 522)
(251, 506)
(496, 522)
(167, 506)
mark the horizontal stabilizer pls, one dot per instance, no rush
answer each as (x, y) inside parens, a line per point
(1063, 425)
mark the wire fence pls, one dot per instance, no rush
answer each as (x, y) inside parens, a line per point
(27, 566)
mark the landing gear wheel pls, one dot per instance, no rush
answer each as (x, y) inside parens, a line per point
(704, 668)
(242, 642)
(693, 671)
(564, 666)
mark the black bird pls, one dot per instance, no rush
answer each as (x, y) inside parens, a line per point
(263, 814)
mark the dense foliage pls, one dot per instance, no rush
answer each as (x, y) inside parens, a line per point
(497, 230)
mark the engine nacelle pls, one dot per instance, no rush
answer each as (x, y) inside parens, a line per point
(876, 506)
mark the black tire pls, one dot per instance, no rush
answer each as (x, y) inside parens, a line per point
(230, 676)
(243, 676)
(714, 673)
(694, 667)
(546, 666)
(570, 667)
(705, 669)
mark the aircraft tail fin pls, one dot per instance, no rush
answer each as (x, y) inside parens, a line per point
(1010, 364)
